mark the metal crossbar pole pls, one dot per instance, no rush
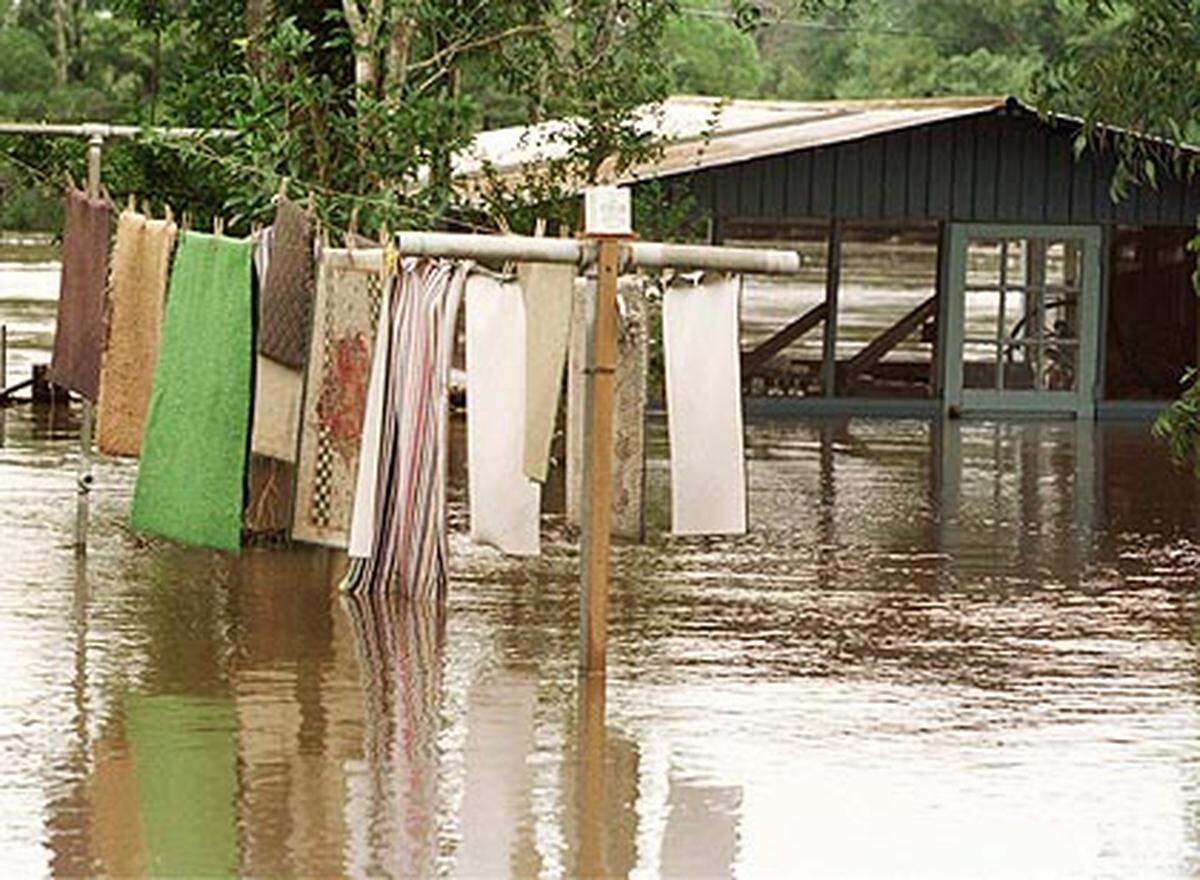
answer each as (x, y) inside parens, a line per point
(88, 418)
(650, 255)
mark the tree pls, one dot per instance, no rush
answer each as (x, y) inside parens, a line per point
(1136, 70)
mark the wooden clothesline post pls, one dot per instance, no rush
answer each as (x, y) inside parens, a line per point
(608, 226)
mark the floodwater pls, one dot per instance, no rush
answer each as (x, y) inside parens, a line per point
(943, 650)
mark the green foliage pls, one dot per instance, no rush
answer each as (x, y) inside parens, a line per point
(1179, 425)
(25, 63)
(712, 57)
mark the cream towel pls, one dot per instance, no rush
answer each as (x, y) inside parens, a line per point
(546, 289)
(140, 260)
(505, 504)
(704, 408)
(277, 394)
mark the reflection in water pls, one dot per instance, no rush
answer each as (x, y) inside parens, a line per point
(391, 797)
(937, 638)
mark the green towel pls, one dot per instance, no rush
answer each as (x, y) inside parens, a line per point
(184, 753)
(190, 481)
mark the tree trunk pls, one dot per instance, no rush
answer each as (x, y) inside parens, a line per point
(61, 15)
(258, 15)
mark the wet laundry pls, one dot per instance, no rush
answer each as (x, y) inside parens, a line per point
(141, 259)
(546, 291)
(348, 293)
(398, 538)
(504, 503)
(79, 334)
(190, 480)
(704, 407)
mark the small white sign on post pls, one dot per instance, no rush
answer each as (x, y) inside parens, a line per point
(608, 210)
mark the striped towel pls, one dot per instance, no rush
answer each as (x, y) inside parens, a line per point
(398, 532)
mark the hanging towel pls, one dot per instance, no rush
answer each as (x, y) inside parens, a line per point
(629, 417)
(349, 287)
(546, 289)
(277, 393)
(398, 535)
(190, 480)
(289, 282)
(79, 333)
(141, 259)
(704, 408)
(504, 503)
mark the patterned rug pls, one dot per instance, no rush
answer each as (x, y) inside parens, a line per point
(349, 287)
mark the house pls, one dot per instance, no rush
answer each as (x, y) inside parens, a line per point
(1032, 290)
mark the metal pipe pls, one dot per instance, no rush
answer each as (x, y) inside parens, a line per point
(88, 416)
(104, 130)
(527, 249)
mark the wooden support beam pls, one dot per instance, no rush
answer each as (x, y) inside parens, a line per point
(754, 360)
(885, 342)
(833, 276)
(598, 458)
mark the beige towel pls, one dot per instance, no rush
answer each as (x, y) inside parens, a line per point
(277, 393)
(546, 289)
(140, 261)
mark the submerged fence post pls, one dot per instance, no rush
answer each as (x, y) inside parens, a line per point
(84, 482)
(608, 213)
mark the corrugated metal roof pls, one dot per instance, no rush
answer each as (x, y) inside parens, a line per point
(704, 132)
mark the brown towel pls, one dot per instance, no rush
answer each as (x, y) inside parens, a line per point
(289, 288)
(137, 287)
(79, 334)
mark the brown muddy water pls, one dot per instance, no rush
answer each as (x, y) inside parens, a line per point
(943, 650)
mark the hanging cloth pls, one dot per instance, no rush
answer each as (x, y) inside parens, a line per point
(349, 288)
(704, 408)
(141, 259)
(504, 503)
(546, 290)
(79, 332)
(398, 537)
(289, 287)
(190, 480)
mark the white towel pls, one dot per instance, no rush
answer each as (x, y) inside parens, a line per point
(704, 408)
(504, 503)
(547, 290)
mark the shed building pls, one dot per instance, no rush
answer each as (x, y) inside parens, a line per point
(961, 258)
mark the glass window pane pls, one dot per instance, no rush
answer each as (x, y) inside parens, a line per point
(979, 365)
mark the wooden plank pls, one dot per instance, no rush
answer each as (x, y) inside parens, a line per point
(1033, 173)
(941, 172)
(962, 201)
(799, 184)
(824, 171)
(598, 459)
(917, 195)
(1010, 158)
(987, 163)
(833, 272)
(774, 187)
(1059, 178)
(895, 175)
(755, 359)
(847, 183)
(871, 178)
(750, 187)
(886, 341)
(1083, 193)
(725, 181)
